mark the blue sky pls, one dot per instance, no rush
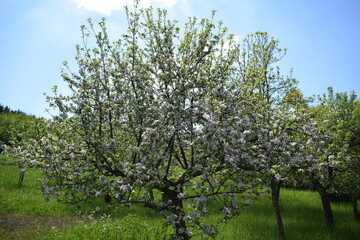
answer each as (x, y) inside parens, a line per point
(322, 37)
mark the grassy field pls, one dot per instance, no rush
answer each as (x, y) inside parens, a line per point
(25, 215)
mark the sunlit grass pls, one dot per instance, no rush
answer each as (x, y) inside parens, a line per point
(28, 198)
(125, 228)
(302, 216)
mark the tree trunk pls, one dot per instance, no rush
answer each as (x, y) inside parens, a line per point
(325, 199)
(107, 198)
(21, 178)
(180, 228)
(275, 193)
(175, 206)
(354, 199)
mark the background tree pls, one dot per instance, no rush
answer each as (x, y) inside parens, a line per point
(16, 125)
(335, 160)
(342, 112)
(278, 110)
(354, 147)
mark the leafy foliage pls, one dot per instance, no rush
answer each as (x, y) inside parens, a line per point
(16, 126)
(338, 116)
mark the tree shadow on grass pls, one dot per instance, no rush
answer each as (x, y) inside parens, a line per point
(29, 226)
(303, 219)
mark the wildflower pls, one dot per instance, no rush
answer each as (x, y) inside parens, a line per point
(247, 132)
(189, 233)
(248, 201)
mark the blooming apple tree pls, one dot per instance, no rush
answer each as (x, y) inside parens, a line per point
(151, 119)
(336, 170)
(278, 150)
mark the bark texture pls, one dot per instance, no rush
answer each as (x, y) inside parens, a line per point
(275, 193)
(354, 204)
(325, 199)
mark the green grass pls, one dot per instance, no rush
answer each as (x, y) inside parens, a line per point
(302, 215)
(25, 215)
(26, 199)
(126, 228)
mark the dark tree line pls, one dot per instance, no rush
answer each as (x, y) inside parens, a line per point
(6, 109)
(15, 126)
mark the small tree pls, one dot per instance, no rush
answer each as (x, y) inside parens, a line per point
(277, 149)
(354, 147)
(338, 117)
(329, 153)
(150, 121)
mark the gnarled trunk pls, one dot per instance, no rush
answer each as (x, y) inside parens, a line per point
(180, 228)
(175, 206)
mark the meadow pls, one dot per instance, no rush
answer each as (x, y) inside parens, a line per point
(24, 214)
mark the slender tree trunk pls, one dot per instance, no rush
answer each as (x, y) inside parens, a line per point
(354, 199)
(325, 199)
(21, 178)
(275, 193)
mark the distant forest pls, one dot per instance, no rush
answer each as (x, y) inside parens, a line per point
(16, 125)
(6, 109)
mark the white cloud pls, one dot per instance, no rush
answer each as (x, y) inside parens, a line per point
(107, 6)
(168, 3)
